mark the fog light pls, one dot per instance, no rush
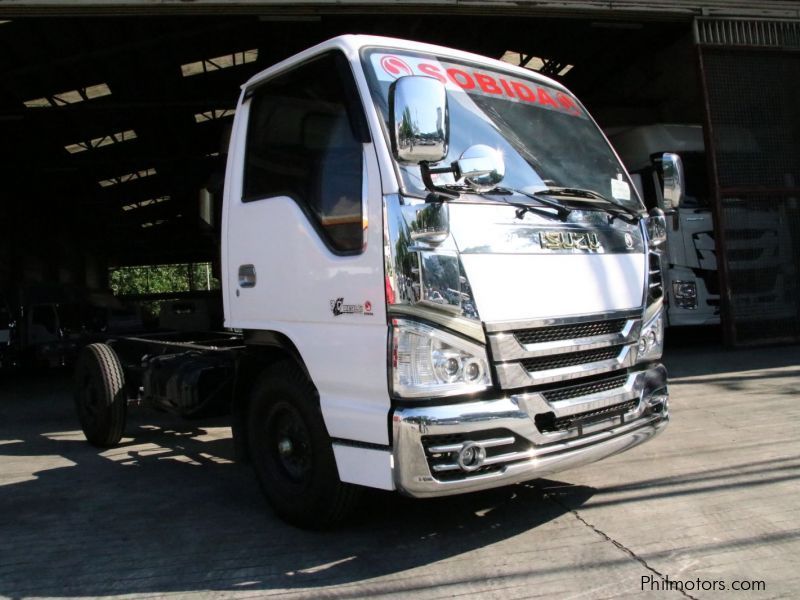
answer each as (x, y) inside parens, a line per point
(658, 402)
(471, 457)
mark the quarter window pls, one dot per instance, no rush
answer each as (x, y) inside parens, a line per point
(304, 141)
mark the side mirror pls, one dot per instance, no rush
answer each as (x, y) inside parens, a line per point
(418, 119)
(481, 166)
(672, 166)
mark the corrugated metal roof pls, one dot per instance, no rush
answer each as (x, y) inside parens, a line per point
(602, 8)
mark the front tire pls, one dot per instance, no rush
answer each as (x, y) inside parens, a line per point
(100, 397)
(291, 451)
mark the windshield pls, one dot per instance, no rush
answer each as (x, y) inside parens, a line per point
(546, 137)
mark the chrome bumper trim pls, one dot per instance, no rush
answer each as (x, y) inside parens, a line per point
(483, 444)
(541, 453)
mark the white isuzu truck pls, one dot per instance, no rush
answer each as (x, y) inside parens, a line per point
(437, 278)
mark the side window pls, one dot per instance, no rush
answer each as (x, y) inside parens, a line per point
(304, 140)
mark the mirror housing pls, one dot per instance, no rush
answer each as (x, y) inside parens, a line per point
(419, 121)
(672, 168)
(656, 228)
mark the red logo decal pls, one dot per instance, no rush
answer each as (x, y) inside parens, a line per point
(395, 66)
(367, 306)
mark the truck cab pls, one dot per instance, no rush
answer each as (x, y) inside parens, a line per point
(437, 278)
(454, 252)
(756, 243)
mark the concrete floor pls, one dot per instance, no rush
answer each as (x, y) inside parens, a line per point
(167, 514)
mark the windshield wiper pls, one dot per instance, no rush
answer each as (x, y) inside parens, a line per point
(595, 199)
(453, 191)
(545, 197)
(561, 214)
(562, 211)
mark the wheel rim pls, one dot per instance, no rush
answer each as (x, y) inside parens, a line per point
(90, 401)
(289, 443)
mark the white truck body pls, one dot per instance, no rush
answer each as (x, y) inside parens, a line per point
(691, 274)
(340, 311)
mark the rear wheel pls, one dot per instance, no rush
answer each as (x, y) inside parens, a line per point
(291, 451)
(100, 397)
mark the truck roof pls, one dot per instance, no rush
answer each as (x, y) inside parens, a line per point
(351, 44)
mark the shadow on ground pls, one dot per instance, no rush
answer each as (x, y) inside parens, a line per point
(168, 511)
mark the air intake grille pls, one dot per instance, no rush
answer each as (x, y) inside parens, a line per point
(750, 33)
(568, 332)
(595, 387)
(655, 284)
(570, 359)
(548, 423)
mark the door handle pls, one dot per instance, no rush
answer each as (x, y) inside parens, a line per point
(247, 276)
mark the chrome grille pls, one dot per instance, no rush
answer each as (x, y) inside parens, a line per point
(547, 422)
(541, 352)
(570, 359)
(565, 332)
(595, 387)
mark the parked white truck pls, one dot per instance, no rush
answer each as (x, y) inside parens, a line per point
(757, 239)
(437, 276)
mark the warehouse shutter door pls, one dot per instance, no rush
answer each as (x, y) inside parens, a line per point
(750, 73)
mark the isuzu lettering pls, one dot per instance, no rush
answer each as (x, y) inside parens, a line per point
(437, 278)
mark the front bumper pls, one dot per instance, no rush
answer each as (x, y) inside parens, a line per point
(525, 436)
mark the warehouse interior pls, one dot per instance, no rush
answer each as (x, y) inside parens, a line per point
(115, 122)
(112, 126)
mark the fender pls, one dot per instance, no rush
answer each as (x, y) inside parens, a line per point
(263, 349)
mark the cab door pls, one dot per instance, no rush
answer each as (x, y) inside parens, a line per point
(303, 249)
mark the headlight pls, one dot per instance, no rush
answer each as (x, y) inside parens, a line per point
(430, 362)
(651, 340)
(685, 293)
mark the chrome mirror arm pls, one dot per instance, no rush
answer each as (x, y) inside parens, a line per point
(426, 172)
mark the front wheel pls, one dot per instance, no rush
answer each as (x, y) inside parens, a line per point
(291, 451)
